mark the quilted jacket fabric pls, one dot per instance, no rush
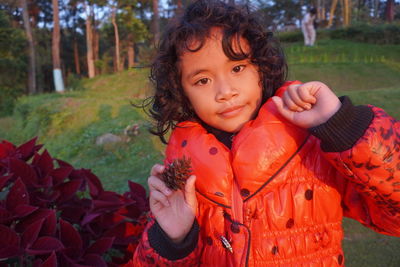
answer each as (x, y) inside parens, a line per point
(277, 199)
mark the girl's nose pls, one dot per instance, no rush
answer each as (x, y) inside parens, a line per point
(225, 91)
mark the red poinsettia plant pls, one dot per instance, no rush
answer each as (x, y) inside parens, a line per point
(54, 215)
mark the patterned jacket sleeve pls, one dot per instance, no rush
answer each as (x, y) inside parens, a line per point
(155, 249)
(363, 144)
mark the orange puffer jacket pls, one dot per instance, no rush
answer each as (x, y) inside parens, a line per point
(276, 199)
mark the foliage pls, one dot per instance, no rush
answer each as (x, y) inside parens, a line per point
(275, 14)
(12, 64)
(374, 34)
(51, 212)
(69, 124)
(363, 33)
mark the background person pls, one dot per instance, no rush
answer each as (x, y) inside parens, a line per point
(308, 28)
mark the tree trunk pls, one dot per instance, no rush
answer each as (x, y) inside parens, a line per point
(96, 41)
(332, 12)
(55, 48)
(346, 12)
(179, 7)
(116, 35)
(390, 10)
(31, 47)
(89, 44)
(76, 57)
(156, 21)
(131, 52)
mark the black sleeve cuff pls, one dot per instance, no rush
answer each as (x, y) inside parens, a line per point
(164, 246)
(344, 128)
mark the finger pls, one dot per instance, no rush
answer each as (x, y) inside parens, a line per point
(307, 95)
(156, 184)
(289, 103)
(190, 192)
(157, 169)
(293, 92)
(157, 196)
(284, 111)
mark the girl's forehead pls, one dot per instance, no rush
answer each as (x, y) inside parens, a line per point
(215, 35)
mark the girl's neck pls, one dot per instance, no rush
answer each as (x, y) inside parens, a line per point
(222, 136)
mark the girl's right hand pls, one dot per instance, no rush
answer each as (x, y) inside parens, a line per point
(174, 211)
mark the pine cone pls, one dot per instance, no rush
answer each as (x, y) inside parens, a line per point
(176, 173)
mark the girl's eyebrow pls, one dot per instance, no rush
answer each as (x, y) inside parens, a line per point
(198, 71)
(195, 72)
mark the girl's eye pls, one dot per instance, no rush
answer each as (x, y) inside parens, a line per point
(203, 81)
(238, 68)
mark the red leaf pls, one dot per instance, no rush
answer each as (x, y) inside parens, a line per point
(100, 246)
(17, 195)
(107, 201)
(45, 245)
(6, 148)
(9, 242)
(68, 189)
(25, 151)
(111, 219)
(32, 218)
(37, 263)
(72, 253)
(4, 180)
(8, 252)
(63, 163)
(5, 216)
(137, 190)
(132, 211)
(90, 217)
(69, 236)
(51, 261)
(50, 224)
(95, 186)
(46, 181)
(24, 210)
(60, 174)
(94, 260)
(73, 213)
(44, 162)
(31, 233)
(24, 171)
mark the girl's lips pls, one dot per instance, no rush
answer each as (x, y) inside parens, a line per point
(231, 111)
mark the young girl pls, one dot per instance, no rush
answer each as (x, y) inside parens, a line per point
(276, 164)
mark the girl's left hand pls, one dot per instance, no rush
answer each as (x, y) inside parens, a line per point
(307, 105)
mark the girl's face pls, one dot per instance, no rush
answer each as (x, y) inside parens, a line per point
(225, 94)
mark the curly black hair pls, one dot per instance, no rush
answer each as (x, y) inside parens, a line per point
(169, 105)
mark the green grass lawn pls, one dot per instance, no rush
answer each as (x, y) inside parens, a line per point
(69, 124)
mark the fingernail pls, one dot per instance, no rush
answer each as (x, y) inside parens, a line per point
(300, 110)
(307, 106)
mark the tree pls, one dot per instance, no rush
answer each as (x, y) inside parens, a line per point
(346, 10)
(57, 74)
(118, 65)
(134, 30)
(156, 21)
(389, 10)
(89, 40)
(31, 48)
(12, 64)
